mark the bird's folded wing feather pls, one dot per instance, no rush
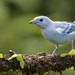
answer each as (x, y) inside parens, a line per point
(67, 27)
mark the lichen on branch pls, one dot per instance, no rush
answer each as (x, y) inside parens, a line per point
(40, 63)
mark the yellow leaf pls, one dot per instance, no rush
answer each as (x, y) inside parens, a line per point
(72, 67)
(1, 55)
(13, 56)
(64, 54)
(72, 52)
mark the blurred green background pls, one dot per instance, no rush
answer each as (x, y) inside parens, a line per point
(17, 35)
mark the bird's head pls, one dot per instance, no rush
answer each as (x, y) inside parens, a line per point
(41, 21)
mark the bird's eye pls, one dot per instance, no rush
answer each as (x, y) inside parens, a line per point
(41, 20)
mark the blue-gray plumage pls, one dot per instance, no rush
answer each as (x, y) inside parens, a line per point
(57, 32)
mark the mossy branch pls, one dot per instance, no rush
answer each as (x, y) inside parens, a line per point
(40, 63)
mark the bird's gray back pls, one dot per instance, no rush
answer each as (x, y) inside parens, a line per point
(60, 24)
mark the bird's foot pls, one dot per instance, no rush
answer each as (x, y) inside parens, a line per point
(53, 54)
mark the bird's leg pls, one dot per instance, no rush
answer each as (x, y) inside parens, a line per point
(55, 50)
(72, 44)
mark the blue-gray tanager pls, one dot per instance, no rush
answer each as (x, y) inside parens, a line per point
(57, 32)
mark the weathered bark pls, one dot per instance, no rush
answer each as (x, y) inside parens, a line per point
(40, 63)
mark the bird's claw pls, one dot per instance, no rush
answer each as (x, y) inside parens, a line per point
(53, 54)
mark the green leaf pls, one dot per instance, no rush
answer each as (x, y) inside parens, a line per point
(64, 54)
(72, 68)
(1, 55)
(22, 63)
(46, 73)
(19, 58)
(72, 52)
(13, 56)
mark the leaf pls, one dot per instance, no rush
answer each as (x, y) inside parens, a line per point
(22, 63)
(1, 55)
(46, 73)
(19, 58)
(72, 68)
(41, 57)
(13, 56)
(64, 54)
(72, 52)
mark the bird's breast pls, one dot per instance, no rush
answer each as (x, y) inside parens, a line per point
(49, 35)
(54, 37)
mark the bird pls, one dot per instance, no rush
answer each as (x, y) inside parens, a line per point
(57, 32)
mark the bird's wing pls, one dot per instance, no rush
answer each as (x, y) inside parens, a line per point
(67, 27)
(72, 29)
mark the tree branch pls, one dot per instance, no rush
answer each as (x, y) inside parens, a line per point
(40, 63)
